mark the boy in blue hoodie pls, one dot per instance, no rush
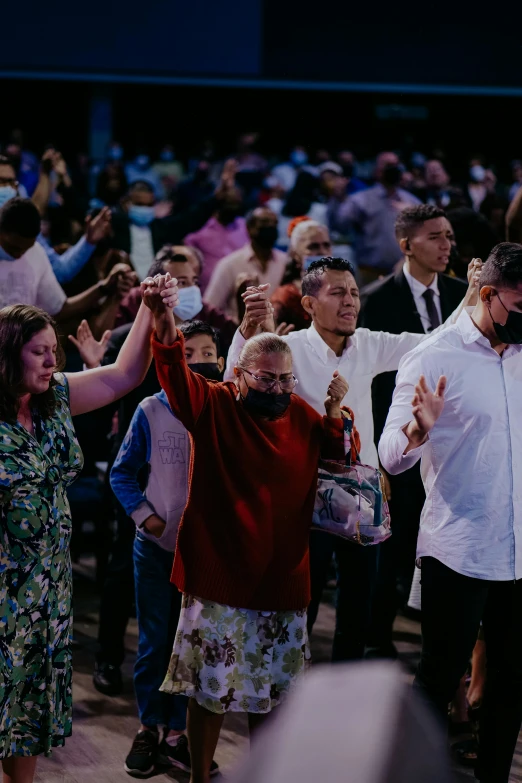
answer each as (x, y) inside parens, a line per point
(159, 444)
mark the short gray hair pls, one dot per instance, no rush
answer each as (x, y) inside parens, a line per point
(260, 345)
(302, 229)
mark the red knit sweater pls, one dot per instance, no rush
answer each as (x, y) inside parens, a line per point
(243, 539)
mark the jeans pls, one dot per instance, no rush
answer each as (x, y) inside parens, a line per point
(117, 595)
(356, 566)
(452, 607)
(158, 605)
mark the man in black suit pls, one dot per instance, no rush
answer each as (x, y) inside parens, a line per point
(417, 299)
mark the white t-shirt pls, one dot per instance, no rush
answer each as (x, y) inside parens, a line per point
(30, 280)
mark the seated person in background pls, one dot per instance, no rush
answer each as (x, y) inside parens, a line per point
(258, 258)
(309, 241)
(140, 233)
(158, 441)
(221, 235)
(183, 264)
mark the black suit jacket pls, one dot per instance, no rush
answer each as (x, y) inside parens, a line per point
(169, 230)
(388, 306)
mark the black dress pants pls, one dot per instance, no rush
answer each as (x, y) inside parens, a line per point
(356, 568)
(453, 606)
(117, 596)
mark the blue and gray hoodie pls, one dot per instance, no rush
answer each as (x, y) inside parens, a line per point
(156, 438)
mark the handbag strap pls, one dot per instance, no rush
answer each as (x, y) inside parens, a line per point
(348, 429)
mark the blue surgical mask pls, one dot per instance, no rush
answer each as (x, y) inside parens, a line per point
(6, 194)
(298, 158)
(190, 303)
(310, 260)
(477, 173)
(142, 161)
(141, 216)
(115, 153)
(166, 156)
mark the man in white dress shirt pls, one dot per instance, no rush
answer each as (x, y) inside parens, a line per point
(331, 297)
(458, 407)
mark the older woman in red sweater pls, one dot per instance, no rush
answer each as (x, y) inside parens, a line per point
(242, 553)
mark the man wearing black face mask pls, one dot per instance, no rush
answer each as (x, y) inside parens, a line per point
(371, 216)
(258, 259)
(458, 406)
(224, 233)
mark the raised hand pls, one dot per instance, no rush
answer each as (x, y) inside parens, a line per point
(474, 272)
(98, 228)
(119, 281)
(160, 294)
(259, 311)
(427, 405)
(284, 328)
(228, 178)
(59, 165)
(337, 391)
(92, 351)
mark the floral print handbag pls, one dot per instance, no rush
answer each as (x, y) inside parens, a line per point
(350, 500)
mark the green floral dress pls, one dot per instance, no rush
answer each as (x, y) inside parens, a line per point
(237, 660)
(35, 581)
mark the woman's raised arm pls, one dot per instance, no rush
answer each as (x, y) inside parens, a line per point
(96, 388)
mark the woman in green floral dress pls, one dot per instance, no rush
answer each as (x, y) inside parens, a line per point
(39, 457)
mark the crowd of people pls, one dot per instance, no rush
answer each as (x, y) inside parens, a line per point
(204, 327)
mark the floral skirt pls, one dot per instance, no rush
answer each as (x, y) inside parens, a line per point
(236, 660)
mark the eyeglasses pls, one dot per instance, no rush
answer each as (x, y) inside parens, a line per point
(267, 384)
(8, 181)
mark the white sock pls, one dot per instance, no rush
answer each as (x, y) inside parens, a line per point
(173, 739)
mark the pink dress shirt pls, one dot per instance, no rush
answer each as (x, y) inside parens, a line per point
(221, 291)
(215, 241)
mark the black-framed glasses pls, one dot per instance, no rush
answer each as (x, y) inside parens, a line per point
(267, 384)
(8, 181)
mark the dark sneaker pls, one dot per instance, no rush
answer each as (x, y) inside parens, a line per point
(143, 754)
(178, 756)
(107, 679)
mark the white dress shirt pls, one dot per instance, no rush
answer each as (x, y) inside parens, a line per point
(366, 355)
(418, 290)
(472, 462)
(142, 250)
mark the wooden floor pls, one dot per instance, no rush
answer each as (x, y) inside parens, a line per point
(104, 727)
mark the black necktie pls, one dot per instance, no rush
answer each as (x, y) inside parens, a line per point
(433, 313)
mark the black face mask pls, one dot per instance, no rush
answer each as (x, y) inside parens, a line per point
(270, 406)
(266, 236)
(227, 215)
(510, 332)
(391, 175)
(208, 370)
(201, 175)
